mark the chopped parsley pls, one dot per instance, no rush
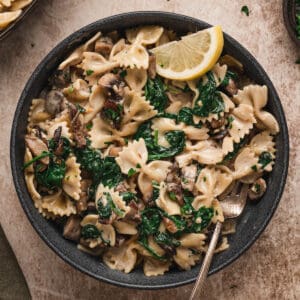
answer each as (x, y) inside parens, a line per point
(89, 126)
(123, 73)
(254, 168)
(131, 172)
(230, 119)
(89, 72)
(245, 10)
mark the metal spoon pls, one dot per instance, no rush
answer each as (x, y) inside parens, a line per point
(232, 207)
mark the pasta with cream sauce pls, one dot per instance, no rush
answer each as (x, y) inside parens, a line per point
(137, 165)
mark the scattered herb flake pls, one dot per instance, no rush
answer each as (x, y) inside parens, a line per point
(254, 168)
(131, 172)
(172, 196)
(89, 72)
(245, 10)
(89, 126)
(123, 73)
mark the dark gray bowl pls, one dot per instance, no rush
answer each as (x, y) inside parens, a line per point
(251, 223)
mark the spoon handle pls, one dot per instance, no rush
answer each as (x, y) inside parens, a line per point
(198, 288)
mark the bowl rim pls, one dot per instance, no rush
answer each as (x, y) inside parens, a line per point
(10, 28)
(289, 17)
(79, 35)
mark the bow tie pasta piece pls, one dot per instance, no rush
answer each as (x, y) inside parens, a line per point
(178, 100)
(96, 64)
(218, 72)
(107, 231)
(244, 162)
(71, 182)
(132, 56)
(125, 227)
(95, 103)
(59, 204)
(137, 108)
(101, 134)
(37, 113)
(242, 122)
(19, 4)
(121, 258)
(136, 79)
(263, 142)
(205, 152)
(193, 240)
(62, 120)
(153, 245)
(77, 55)
(146, 35)
(65, 132)
(163, 125)
(118, 47)
(154, 267)
(257, 96)
(133, 155)
(31, 186)
(213, 181)
(166, 203)
(112, 198)
(7, 17)
(155, 170)
(185, 258)
(227, 145)
(77, 91)
(228, 106)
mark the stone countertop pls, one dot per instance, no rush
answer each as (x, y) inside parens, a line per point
(270, 268)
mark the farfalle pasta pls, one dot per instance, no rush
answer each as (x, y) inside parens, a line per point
(136, 165)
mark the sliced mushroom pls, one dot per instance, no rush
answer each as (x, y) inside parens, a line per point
(111, 113)
(120, 239)
(231, 88)
(134, 213)
(91, 206)
(152, 66)
(173, 182)
(104, 46)
(217, 123)
(37, 147)
(257, 189)
(60, 78)
(113, 86)
(77, 126)
(220, 134)
(189, 174)
(54, 101)
(121, 187)
(232, 63)
(72, 228)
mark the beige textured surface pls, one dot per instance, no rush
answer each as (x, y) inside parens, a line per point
(268, 270)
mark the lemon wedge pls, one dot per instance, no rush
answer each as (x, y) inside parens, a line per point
(192, 56)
